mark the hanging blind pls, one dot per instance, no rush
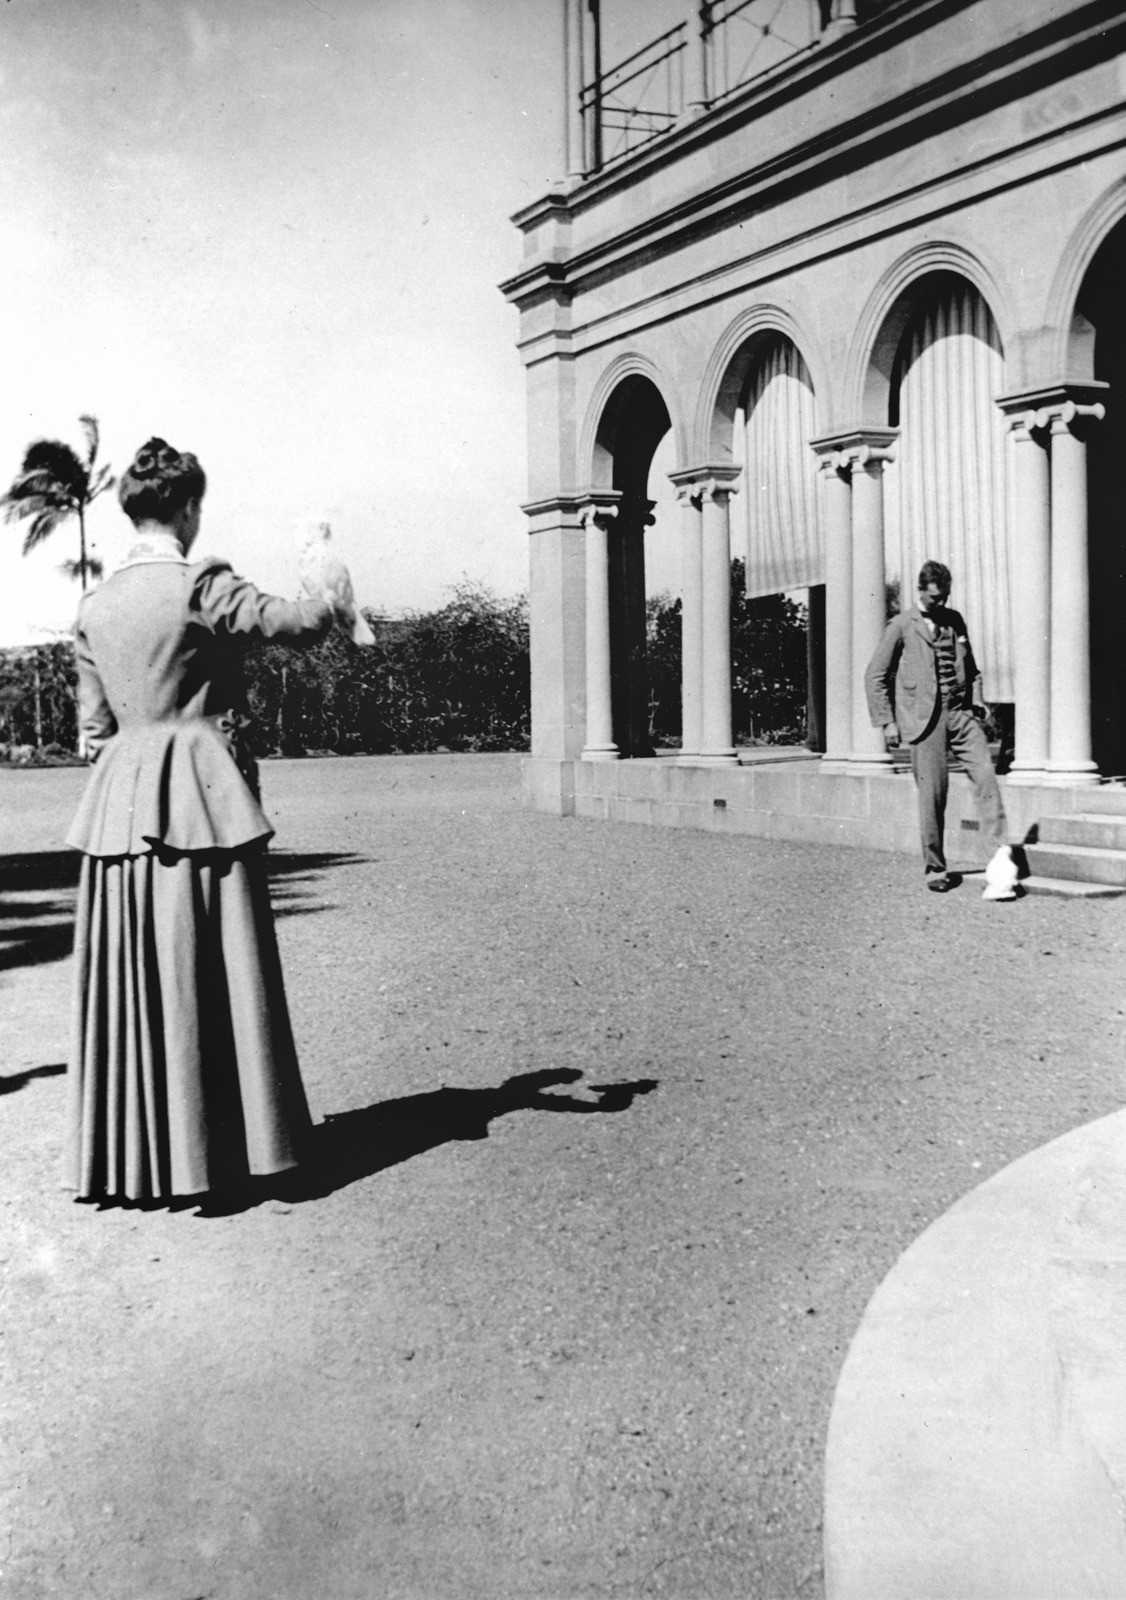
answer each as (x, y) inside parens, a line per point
(779, 484)
(946, 493)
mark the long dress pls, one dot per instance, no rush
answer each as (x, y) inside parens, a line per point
(183, 1075)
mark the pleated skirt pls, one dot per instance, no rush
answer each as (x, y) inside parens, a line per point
(183, 1075)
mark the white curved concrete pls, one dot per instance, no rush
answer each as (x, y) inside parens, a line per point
(977, 1444)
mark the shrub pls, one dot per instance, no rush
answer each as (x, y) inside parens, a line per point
(456, 678)
(768, 667)
(38, 695)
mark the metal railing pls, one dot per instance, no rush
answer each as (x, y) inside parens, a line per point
(745, 38)
(635, 101)
(644, 96)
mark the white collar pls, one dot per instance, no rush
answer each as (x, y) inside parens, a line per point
(154, 547)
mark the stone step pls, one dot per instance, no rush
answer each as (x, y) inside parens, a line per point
(1071, 888)
(1106, 798)
(1079, 862)
(1101, 832)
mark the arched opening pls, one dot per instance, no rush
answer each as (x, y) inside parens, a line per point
(664, 581)
(1101, 316)
(633, 423)
(777, 541)
(946, 493)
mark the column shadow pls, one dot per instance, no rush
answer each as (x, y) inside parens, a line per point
(36, 932)
(350, 1145)
(295, 875)
(33, 935)
(40, 870)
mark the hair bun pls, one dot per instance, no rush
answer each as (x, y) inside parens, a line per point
(154, 457)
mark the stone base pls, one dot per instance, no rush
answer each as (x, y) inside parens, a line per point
(782, 796)
(549, 785)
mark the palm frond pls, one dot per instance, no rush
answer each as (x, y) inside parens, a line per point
(102, 480)
(53, 484)
(57, 459)
(30, 484)
(90, 433)
(19, 507)
(42, 528)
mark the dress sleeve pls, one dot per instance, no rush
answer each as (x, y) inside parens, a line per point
(96, 722)
(229, 604)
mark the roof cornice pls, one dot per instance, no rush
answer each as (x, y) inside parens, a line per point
(1097, 29)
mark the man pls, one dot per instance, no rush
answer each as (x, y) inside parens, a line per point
(925, 665)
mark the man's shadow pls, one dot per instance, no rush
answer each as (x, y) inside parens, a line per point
(350, 1145)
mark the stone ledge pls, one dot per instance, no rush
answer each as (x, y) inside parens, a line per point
(796, 800)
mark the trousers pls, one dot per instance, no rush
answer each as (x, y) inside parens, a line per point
(959, 733)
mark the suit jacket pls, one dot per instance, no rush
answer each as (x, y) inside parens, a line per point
(904, 669)
(162, 704)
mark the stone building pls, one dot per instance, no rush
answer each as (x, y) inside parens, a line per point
(864, 260)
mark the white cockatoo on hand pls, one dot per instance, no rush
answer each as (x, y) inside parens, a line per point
(325, 577)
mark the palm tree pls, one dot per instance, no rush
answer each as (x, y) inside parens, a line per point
(54, 484)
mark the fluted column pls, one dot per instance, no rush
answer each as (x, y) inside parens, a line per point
(1070, 714)
(691, 620)
(836, 511)
(1031, 589)
(869, 593)
(600, 745)
(716, 748)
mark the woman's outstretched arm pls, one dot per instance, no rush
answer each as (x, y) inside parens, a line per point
(230, 604)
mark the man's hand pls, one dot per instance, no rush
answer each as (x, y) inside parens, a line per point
(891, 735)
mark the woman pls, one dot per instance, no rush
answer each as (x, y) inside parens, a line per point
(183, 1075)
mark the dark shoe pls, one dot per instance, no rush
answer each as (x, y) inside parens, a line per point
(938, 884)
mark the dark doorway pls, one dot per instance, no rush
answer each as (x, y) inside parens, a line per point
(633, 424)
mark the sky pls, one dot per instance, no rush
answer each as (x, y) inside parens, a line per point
(271, 231)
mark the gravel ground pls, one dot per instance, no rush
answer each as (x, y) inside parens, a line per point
(531, 1341)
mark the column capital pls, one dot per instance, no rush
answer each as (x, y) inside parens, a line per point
(709, 482)
(873, 457)
(598, 507)
(855, 447)
(833, 463)
(717, 491)
(687, 494)
(1055, 407)
(637, 510)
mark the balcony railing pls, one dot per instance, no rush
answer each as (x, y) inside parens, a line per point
(745, 38)
(636, 101)
(696, 64)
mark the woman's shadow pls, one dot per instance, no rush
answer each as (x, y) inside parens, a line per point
(350, 1145)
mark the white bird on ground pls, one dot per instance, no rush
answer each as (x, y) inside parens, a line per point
(1001, 876)
(325, 577)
